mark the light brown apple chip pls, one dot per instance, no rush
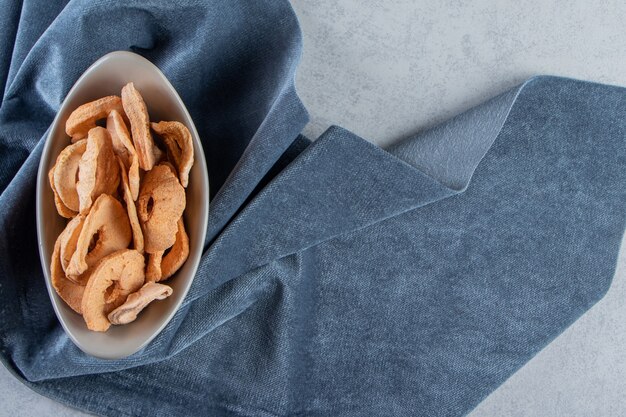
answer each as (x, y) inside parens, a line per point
(69, 238)
(65, 171)
(177, 255)
(123, 147)
(120, 138)
(131, 210)
(58, 203)
(163, 265)
(111, 281)
(159, 155)
(160, 204)
(106, 230)
(69, 291)
(180, 146)
(98, 170)
(153, 268)
(137, 114)
(84, 118)
(137, 301)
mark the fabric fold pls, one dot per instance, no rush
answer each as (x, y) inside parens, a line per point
(338, 278)
(452, 150)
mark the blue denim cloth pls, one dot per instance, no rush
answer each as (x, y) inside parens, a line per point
(338, 278)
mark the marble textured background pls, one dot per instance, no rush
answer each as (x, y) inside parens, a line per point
(389, 69)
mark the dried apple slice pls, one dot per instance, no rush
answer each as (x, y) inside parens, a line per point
(123, 147)
(62, 209)
(65, 171)
(69, 291)
(98, 170)
(84, 118)
(106, 230)
(137, 113)
(132, 211)
(163, 265)
(137, 301)
(160, 204)
(112, 280)
(180, 146)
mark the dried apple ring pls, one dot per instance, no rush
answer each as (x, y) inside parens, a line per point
(160, 204)
(69, 291)
(123, 147)
(65, 171)
(120, 138)
(62, 209)
(153, 268)
(98, 171)
(158, 154)
(137, 114)
(106, 230)
(69, 238)
(84, 118)
(131, 210)
(170, 166)
(179, 144)
(137, 301)
(111, 281)
(163, 265)
(178, 254)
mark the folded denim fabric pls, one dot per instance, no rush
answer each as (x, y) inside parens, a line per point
(338, 278)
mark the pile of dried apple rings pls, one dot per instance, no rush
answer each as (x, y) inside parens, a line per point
(124, 193)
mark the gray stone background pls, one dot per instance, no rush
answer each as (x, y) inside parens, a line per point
(388, 69)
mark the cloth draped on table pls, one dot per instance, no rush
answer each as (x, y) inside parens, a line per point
(337, 278)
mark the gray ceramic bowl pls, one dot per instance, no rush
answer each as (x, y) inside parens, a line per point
(105, 77)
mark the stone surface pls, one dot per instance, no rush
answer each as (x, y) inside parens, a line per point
(386, 70)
